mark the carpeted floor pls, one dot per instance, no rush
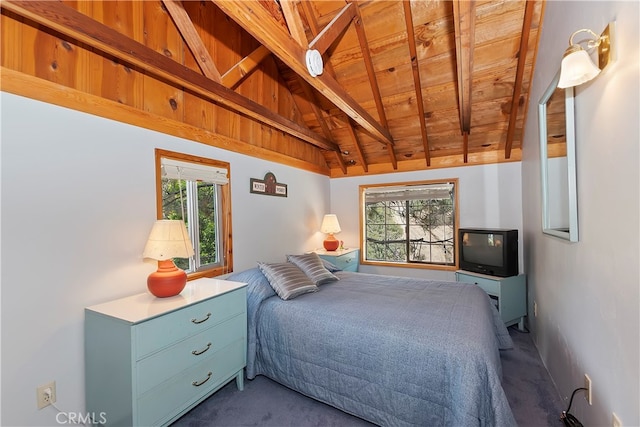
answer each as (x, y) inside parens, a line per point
(532, 396)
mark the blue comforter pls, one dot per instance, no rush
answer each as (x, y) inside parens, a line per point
(392, 350)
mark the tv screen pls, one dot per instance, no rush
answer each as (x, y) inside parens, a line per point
(489, 251)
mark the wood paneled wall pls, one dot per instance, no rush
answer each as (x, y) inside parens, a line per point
(34, 58)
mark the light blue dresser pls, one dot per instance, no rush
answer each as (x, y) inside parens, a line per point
(345, 259)
(150, 360)
(509, 294)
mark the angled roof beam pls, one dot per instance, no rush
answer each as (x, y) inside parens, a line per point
(70, 22)
(236, 74)
(416, 78)
(260, 24)
(517, 86)
(192, 38)
(315, 29)
(333, 29)
(464, 17)
(373, 80)
(294, 23)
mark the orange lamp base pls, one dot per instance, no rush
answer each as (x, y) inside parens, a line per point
(331, 243)
(168, 281)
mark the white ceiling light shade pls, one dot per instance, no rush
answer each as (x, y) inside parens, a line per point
(577, 66)
(314, 62)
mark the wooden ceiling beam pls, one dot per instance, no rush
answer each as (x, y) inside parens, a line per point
(191, 37)
(517, 86)
(338, 25)
(315, 29)
(68, 21)
(294, 23)
(260, 24)
(464, 17)
(373, 80)
(236, 74)
(416, 78)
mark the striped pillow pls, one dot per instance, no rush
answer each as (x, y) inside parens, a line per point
(287, 280)
(312, 265)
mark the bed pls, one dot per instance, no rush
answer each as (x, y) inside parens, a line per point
(394, 351)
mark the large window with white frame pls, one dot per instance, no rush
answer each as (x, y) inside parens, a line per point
(412, 224)
(196, 190)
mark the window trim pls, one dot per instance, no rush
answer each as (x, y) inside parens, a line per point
(456, 225)
(225, 203)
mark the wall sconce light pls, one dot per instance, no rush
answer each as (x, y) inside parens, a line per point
(577, 67)
(329, 226)
(168, 239)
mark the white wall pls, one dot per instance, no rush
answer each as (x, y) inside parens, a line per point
(490, 196)
(78, 201)
(588, 292)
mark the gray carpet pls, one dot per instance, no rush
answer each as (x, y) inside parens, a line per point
(531, 394)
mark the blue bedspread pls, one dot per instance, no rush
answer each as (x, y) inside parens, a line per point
(395, 351)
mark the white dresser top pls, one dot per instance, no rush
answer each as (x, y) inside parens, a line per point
(337, 252)
(137, 308)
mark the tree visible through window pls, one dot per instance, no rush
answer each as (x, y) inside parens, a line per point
(412, 223)
(196, 190)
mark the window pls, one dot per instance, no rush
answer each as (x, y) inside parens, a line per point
(196, 190)
(413, 224)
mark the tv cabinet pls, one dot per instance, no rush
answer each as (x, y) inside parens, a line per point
(509, 294)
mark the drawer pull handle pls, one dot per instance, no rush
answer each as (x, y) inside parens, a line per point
(199, 352)
(196, 321)
(198, 384)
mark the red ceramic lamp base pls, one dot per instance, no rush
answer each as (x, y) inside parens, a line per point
(331, 243)
(168, 281)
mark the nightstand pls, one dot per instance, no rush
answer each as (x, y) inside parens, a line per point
(150, 360)
(509, 294)
(345, 259)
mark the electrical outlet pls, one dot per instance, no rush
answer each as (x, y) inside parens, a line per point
(46, 394)
(589, 393)
(535, 309)
(616, 421)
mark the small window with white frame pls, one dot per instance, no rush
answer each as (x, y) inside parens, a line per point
(411, 224)
(196, 190)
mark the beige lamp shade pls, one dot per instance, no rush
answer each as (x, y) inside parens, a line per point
(330, 224)
(168, 239)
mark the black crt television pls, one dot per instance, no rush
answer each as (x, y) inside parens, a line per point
(489, 251)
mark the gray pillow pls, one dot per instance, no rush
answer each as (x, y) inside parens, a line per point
(311, 264)
(287, 279)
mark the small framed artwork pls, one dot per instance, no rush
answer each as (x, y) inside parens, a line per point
(268, 186)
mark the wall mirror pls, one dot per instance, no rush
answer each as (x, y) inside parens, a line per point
(558, 162)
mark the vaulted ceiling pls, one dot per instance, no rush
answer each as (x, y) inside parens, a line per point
(404, 85)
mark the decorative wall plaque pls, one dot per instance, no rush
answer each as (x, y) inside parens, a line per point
(268, 186)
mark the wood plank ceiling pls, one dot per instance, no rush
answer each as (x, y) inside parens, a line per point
(405, 85)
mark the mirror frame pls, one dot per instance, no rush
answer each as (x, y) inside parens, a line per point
(572, 234)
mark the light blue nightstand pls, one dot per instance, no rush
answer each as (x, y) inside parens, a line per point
(345, 259)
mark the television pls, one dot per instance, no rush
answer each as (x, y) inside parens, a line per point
(489, 251)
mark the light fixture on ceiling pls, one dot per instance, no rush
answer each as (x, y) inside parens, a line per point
(577, 66)
(314, 62)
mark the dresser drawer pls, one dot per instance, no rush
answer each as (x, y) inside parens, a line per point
(162, 365)
(160, 332)
(157, 406)
(492, 287)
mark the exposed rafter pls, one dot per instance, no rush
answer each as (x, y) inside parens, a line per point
(68, 21)
(416, 78)
(192, 39)
(236, 74)
(258, 22)
(464, 16)
(325, 38)
(517, 86)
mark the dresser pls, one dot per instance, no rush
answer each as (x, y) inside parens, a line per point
(509, 294)
(150, 360)
(345, 259)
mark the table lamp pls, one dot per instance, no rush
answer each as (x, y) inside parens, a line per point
(330, 225)
(168, 239)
